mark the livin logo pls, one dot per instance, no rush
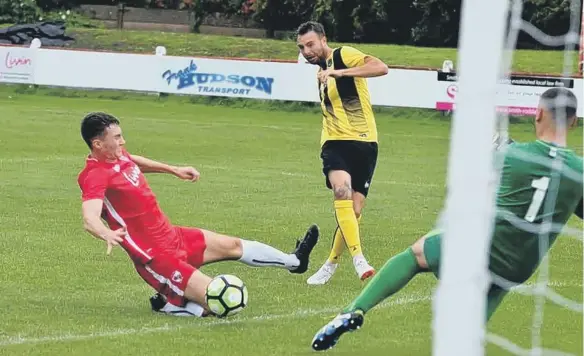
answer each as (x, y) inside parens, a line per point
(12, 62)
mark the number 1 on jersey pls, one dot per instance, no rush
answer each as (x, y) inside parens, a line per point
(541, 186)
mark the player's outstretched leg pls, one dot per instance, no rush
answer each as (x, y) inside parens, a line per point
(329, 334)
(180, 287)
(304, 247)
(326, 271)
(393, 276)
(258, 254)
(159, 304)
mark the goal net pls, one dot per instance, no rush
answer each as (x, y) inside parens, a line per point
(488, 36)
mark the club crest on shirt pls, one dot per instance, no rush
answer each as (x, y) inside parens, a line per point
(177, 277)
(133, 177)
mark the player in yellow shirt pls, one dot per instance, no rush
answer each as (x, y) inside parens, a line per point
(349, 138)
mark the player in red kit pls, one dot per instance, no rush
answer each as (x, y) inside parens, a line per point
(166, 256)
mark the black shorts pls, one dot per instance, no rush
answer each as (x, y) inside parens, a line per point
(354, 157)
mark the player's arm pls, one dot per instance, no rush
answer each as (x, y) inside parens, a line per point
(372, 67)
(580, 209)
(91, 210)
(93, 189)
(150, 166)
(360, 64)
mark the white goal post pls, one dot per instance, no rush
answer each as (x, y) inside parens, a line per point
(484, 58)
(459, 306)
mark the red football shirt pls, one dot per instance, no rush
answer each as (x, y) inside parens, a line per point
(128, 201)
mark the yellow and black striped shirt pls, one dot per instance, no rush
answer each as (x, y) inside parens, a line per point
(345, 101)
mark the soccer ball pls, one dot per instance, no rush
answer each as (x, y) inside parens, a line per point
(226, 295)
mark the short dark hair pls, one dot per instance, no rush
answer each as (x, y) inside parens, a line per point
(311, 26)
(94, 125)
(559, 102)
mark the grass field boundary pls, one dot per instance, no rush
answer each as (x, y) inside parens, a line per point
(10, 90)
(275, 60)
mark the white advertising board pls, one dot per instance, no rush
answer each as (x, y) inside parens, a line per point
(17, 65)
(245, 79)
(251, 79)
(404, 88)
(96, 70)
(518, 95)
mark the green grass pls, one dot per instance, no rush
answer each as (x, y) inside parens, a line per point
(187, 44)
(261, 179)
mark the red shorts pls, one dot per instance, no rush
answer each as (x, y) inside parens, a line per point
(169, 272)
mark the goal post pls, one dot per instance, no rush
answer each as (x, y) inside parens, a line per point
(581, 53)
(460, 300)
(488, 37)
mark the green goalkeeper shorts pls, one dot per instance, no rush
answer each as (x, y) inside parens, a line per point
(432, 250)
(432, 255)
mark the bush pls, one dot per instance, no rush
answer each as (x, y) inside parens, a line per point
(18, 12)
(199, 9)
(71, 19)
(47, 5)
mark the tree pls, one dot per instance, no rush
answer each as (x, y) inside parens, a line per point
(337, 18)
(378, 21)
(281, 14)
(384, 21)
(438, 23)
(550, 16)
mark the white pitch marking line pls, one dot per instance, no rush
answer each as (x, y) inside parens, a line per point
(399, 301)
(24, 340)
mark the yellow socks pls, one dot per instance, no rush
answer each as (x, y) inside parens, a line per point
(348, 228)
(338, 245)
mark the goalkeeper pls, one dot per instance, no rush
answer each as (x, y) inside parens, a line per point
(514, 253)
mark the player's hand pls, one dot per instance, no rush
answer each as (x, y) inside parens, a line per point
(113, 238)
(329, 73)
(188, 173)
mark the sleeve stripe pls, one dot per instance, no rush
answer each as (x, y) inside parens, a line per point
(128, 238)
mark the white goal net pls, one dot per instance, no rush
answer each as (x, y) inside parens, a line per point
(488, 36)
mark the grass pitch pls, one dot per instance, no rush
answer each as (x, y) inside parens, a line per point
(261, 179)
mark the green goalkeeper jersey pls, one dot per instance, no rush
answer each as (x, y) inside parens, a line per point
(528, 178)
